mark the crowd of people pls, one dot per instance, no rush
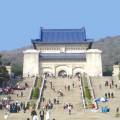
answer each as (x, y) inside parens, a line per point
(68, 107)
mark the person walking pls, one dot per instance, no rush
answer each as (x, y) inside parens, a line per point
(73, 85)
(112, 82)
(51, 85)
(68, 87)
(41, 115)
(33, 112)
(35, 117)
(108, 95)
(21, 94)
(115, 85)
(105, 95)
(69, 109)
(65, 87)
(112, 95)
(117, 112)
(48, 115)
(17, 94)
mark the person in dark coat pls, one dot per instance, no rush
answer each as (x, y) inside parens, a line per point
(41, 114)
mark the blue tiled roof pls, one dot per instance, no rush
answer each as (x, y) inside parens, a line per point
(63, 56)
(62, 36)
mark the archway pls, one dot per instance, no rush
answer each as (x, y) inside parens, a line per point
(47, 71)
(62, 73)
(62, 69)
(48, 74)
(77, 71)
(78, 74)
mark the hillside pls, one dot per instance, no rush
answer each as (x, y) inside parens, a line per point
(109, 45)
(14, 56)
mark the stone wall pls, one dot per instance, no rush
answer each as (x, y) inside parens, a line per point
(32, 66)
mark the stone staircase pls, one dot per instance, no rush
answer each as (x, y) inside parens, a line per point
(73, 96)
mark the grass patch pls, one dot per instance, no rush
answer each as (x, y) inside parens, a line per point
(35, 93)
(39, 83)
(86, 91)
(33, 104)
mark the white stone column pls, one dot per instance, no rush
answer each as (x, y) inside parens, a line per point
(116, 70)
(31, 63)
(93, 62)
(8, 68)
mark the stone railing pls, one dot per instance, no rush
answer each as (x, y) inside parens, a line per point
(40, 93)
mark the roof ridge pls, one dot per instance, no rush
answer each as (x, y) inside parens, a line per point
(81, 29)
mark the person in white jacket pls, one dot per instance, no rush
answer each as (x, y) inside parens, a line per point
(48, 115)
(35, 117)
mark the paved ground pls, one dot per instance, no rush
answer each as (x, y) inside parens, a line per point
(100, 90)
(72, 96)
(26, 92)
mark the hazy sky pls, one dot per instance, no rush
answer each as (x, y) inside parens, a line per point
(20, 20)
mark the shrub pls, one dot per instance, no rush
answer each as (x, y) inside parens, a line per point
(35, 93)
(87, 93)
(39, 82)
(107, 71)
(33, 104)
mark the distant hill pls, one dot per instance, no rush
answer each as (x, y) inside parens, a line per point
(109, 45)
(14, 56)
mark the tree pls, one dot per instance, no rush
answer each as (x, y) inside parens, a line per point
(107, 71)
(17, 69)
(4, 76)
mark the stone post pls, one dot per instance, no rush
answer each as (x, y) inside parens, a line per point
(116, 70)
(8, 68)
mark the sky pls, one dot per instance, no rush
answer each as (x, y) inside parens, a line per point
(20, 20)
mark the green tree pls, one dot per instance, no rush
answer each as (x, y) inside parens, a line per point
(17, 69)
(107, 71)
(4, 76)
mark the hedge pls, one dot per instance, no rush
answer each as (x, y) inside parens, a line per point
(39, 82)
(35, 93)
(86, 91)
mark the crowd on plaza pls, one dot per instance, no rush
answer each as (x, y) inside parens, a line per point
(111, 85)
(48, 105)
(11, 106)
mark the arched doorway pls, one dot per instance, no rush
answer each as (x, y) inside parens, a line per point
(62, 73)
(62, 70)
(48, 74)
(78, 74)
(77, 71)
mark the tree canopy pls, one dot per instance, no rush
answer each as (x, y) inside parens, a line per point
(4, 76)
